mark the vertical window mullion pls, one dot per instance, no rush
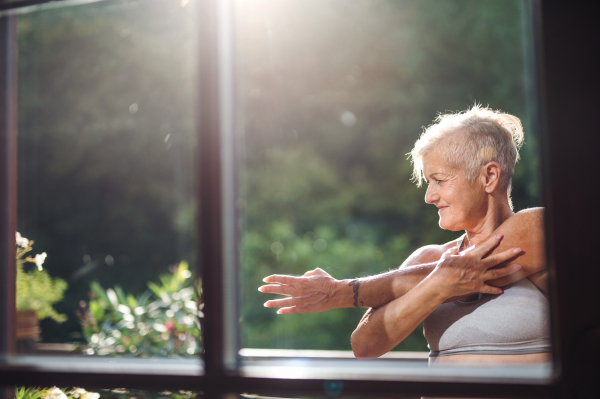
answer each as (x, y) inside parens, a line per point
(8, 185)
(217, 215)
(229, 188)
(210, 220)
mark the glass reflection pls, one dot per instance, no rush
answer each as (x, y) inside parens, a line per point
(334, 95)
(107, 191)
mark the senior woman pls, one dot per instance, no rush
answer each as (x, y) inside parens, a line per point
(467, 160)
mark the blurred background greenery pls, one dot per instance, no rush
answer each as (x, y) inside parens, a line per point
(107, 145)
(332, 95)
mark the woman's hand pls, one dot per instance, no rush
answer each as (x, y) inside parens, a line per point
(464, 273)
(315, 291)
(455, 275)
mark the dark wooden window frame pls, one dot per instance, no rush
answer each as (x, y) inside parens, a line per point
(567, 65)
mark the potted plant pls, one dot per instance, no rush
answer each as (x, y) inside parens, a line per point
(36, 293)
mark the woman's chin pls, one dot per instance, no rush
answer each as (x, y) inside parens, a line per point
(449, 226)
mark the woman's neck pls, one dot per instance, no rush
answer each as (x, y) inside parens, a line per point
(496, 215)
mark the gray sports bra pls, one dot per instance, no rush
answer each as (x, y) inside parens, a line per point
(515, 322)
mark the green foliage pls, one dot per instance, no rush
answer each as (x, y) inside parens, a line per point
(80, 393)
(392, 66)
(163, 321)
(29, 393)
(36, 290)
(54, 393)
(97, 177)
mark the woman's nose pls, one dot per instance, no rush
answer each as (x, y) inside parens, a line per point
(431, 196)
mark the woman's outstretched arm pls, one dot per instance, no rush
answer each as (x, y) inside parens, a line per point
(317, 291)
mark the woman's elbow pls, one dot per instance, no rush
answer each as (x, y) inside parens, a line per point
(361, 347)
(357, 348)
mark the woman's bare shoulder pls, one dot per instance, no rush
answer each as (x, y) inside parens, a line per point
(524, 226)
(427, 254)
(533, 215)
(525, 230)
(535, 212)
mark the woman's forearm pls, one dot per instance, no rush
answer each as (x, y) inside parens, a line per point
(381, 329)
(376, 291)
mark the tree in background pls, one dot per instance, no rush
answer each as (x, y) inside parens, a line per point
(107, 143)
(335, 94)
(332, 95)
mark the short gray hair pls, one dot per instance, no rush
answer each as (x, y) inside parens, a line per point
(470, 139)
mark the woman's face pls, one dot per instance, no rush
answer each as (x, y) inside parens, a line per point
(461, 204)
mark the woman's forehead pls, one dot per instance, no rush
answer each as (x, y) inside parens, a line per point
(435, 163)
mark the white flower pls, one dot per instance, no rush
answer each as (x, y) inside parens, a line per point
(90, 395)
(77, 392)
(21, 241)
(54, 393)
(186, 274)
(39, 260)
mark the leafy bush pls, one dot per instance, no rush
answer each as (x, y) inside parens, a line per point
(28, 393)
(54, 393)
(36, 290)
(163, 321)
(80, 393)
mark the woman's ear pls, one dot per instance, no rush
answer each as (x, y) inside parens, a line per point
(491, 174)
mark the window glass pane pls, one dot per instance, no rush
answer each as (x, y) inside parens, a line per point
(107, 190)
(334, 95)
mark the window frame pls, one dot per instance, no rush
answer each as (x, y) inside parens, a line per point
(222, 372)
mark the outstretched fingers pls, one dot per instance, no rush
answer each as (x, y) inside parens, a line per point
(278, 289)
(289, 310)
(280, 303)
(279, 279)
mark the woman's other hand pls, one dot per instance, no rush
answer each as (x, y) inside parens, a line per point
(467, 272)
(316, 291)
